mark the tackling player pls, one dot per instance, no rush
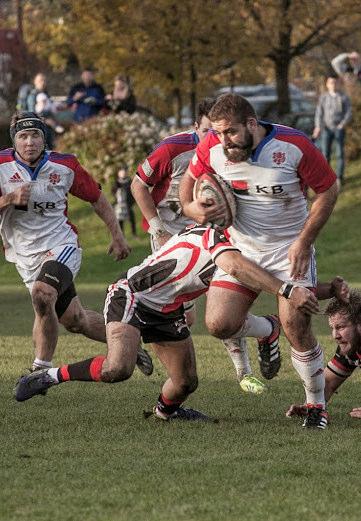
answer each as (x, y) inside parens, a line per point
(155, 189)
(147, 302)
(38, 237)
(344, 317)
(268, 166)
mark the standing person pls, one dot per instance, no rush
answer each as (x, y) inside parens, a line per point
(124, 200)
(86, 97)
(156, 191)
(122, 98)
(333, 113)
(38, 237)
(347, 63)
(268, 167)
(148, 303)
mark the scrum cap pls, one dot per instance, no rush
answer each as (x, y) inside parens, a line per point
(30, 121)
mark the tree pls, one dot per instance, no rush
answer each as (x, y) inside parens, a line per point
(290, 28)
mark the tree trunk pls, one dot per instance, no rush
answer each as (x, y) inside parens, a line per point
(193, 92)
(282, 70)
(177, 103)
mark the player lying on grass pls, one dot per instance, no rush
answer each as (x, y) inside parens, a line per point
(39, 239)
(147, 302)
(344, 318)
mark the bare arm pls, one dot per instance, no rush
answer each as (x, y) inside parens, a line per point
(332, 383)
(104, 210)
(201, 210)
(338, 288)
(321, 209)
(146, 204)
(259, 279)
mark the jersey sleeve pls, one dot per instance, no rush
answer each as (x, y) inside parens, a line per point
(216, 243)
(341, 365)
(200, 162)
(155, 167)
(84, 186)
(313, 168)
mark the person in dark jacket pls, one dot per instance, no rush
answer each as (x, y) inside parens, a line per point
(124, 200)
(86, 98)
(122, 98)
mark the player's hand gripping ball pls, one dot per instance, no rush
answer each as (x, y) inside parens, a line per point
(215, 188)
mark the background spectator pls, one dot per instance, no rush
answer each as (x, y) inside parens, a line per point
(122, 98)
(86, 97)
(347, 62)
(333, 113)
(124, 200)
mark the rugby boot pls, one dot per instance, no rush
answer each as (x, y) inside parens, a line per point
(316, 417)
(269, 355)
(37, 382)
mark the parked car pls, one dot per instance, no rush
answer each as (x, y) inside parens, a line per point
(264, 99)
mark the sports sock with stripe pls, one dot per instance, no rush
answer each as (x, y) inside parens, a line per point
(310, 368)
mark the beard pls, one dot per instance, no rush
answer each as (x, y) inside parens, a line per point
(355, 346)
(237, 153)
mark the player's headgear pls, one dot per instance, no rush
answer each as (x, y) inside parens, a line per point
(27, 121)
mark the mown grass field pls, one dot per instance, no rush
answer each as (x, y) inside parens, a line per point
(85, 452)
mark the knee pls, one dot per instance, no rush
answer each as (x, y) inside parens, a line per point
(43, 300)
(76, 323)
(116, 374)
(221, 329)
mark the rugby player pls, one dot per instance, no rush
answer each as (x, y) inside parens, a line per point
(40, 240)
(155, 189)
(147, 302)
(269, 166)
(344, 317)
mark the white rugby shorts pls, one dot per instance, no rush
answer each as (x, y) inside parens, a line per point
(275, 262)
(68, 254)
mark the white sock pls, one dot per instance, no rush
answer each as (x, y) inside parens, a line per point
(53, 373)
(256, 327)
(41, 364)
(238, 353)
(310, 368)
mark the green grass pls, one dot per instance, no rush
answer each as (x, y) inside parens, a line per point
(85, 452)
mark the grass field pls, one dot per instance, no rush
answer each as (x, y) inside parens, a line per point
(85, 452)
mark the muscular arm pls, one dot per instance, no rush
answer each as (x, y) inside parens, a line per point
(104, 210)
(143, 199)
(259, 279)
(201, 210)
(337, 288)
(299, 251)
(332, 383)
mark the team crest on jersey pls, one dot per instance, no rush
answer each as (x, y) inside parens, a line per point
(279, 157)
(54, 179)
(147, 169)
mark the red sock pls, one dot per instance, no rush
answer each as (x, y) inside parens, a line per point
(87, 370)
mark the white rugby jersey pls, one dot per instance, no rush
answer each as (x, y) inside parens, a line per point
(179, 271)
(30, 231)
(270, 186)
(162, 172)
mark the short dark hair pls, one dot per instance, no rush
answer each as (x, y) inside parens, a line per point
(351, 309)
(230, 106)
(203, 108)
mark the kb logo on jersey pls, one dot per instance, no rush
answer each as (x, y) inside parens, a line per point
(42, 206)
(275, 189)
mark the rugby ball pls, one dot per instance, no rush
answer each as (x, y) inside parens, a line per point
(214, 187)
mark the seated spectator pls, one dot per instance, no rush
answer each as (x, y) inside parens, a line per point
(86, 98)
(39, 102)
(122, 99)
